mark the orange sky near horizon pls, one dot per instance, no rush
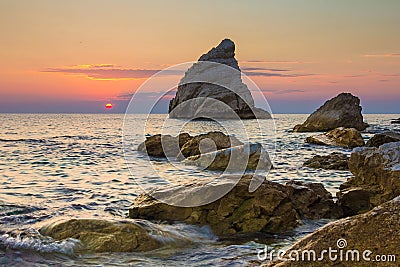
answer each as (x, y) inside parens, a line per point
(100, 50)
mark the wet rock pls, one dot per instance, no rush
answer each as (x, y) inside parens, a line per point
(344, 137)
(163, 145)
(333, 161)
(103, 235)
(213, 88)
(272, 208)
(376, 174)
(343, 110)
(238, 158)
(383, 138)
(396, 121)
(209, 142)
(376, 230)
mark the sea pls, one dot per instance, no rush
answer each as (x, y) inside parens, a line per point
(60, 166)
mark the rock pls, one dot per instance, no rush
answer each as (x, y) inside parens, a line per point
(396, 121)
(376, 174)
(343, 110)
(238, 158)
(377, 231)
(163, 145)
(354, 201)
(272, 208)
(333, 161)
(99, 235)
(213, 88)
(344, 137)
(209, 142)
(383, 138)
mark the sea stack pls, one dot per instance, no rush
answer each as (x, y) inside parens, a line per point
(344, 110)
(213, 88)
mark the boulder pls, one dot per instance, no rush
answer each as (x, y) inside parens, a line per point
(209, 142)
(164, 145)
(343, 110)
(396, 121)
(377, 231)
(333, 161)
(383, 138)
(344, 137)
(213, 88)
(98, 235)
(376, 176)
(272, 208)
(238, 158)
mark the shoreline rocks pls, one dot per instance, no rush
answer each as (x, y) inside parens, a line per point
(213, 88)
(376, 231)
(272, 208)
(376, 177)
(343, 110)
(333, 161)
(396, 121)
(343, 137)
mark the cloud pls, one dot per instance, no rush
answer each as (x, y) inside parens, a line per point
(275, 62)
(269, 74)
(147, 95)
(383, 55)
(110, 72)
(281, 92)
(263, 69)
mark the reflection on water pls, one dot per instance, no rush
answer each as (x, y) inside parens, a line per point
(54, 166)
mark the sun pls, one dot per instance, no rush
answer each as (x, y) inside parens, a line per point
(108, 106)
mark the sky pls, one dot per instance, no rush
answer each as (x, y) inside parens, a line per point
(75, 56)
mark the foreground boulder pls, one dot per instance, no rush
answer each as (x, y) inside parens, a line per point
(333, 161)
(213, 88)
(163, 145)
(103, 235)
(383, 138)
(238, 158)
(272, 208)
(376, 177)
(343, 110)
(344, 137)
(376, 231)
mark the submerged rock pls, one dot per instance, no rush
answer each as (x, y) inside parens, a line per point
(344, 137)
(333, 161)
(213, 88)
(103, 235)
(343, 110)
(383, 138)
(376, 176)
(396, 121)
(164, 145)
(238, 158)
(272, 208)
(376, 231)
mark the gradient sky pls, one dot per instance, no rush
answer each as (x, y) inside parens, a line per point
(74, 56)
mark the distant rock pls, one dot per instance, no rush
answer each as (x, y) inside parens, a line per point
(344, 137)
(376, 176)
(343, 110)
(377, 231)
(238, 158)
(333, 161)
(163, 145)
(272, 208)
(99, 235)
(204, 90)
(396, 121)
(383, 138)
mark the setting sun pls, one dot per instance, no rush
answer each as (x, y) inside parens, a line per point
(108, 106)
